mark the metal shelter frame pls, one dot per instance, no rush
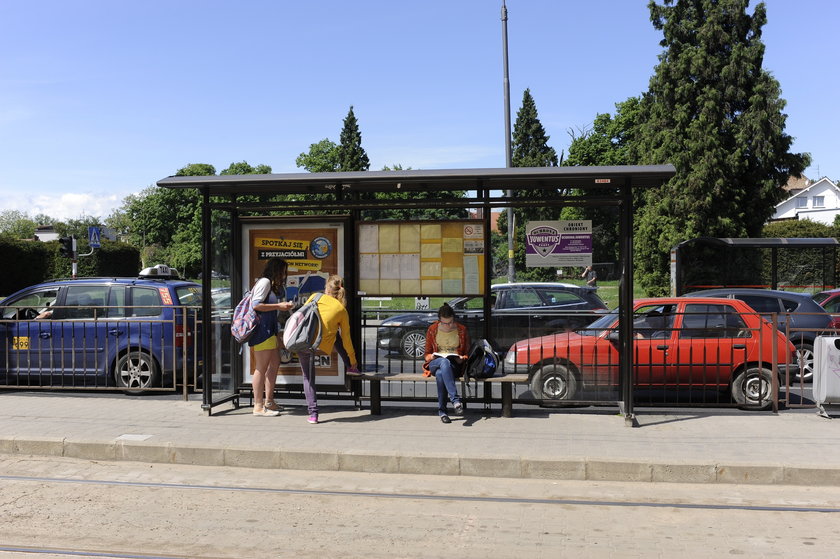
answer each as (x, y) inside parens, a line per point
(773, 244)
(349, 192)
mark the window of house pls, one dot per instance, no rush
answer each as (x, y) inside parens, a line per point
(802, 202)
(819, 201)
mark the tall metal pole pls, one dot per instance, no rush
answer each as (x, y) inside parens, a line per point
(508, 155)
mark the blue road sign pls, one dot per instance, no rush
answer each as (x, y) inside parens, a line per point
(93, 237)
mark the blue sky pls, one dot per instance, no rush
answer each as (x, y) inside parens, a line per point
(100, 99)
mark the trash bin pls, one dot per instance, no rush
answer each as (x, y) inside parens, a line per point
(826, 381)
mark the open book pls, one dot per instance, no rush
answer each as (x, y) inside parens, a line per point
(454, 357)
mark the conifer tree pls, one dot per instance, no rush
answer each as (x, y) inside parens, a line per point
(530, 143)
(529, 148)
(715, 113)
(351, 155)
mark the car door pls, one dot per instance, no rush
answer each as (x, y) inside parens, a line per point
(27, 340)
(80, 333)
(652, 340)
(712, 340)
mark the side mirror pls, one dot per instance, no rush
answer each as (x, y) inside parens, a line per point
(613, 336)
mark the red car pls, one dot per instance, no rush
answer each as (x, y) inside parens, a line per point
(704, 343)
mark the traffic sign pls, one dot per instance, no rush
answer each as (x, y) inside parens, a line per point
(93, 237)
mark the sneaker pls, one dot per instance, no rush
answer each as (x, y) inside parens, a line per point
(459, 408)
(272, 405)
(265, 412)
(312, 418)
(445, 419)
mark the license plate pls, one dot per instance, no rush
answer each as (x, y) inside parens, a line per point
(19, 343)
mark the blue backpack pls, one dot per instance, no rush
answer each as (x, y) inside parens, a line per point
(482, 361)
(245, 319)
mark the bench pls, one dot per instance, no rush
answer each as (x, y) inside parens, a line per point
(506, 383)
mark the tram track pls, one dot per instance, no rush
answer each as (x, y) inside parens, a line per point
(425, 497)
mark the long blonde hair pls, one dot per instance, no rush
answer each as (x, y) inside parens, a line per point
(335, 288)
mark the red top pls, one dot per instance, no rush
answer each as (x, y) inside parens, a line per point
(431, 343)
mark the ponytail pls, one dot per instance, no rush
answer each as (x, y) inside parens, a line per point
(335, 288)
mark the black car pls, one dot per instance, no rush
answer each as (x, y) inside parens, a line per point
(519, 310)
(797, 313)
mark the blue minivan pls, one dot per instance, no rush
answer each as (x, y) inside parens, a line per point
(132, 333)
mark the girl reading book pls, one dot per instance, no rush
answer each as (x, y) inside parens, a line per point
(447, 348)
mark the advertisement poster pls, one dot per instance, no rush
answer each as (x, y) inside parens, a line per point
(314, 251)
(550, 244)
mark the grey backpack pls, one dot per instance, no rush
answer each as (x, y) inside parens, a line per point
(303, 329)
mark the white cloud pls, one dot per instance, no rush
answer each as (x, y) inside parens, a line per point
(64, 206)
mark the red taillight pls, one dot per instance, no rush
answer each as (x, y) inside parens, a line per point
(182, 333)
(835, 322)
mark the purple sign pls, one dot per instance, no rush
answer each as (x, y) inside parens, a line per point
(558, 243)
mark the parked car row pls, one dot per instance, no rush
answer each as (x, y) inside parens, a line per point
(130, 333)
(517, 310)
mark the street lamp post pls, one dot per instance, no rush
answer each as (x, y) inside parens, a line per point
(508, 155)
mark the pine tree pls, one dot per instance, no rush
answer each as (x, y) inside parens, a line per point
(714, 113)
(530, 143)
(351, 155)
(529, 149)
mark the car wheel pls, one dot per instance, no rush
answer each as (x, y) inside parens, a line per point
(806, 360)
(554, 382)
(753, 388)
(136, 371)
(413, 344)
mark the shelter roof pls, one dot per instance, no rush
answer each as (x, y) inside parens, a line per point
(518, 178)
(769, 242)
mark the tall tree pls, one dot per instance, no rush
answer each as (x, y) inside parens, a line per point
(715, 113)
(529, 148)
(530, 142)
(244, 168)
(351, 154)
(322, 157)
(609, 141)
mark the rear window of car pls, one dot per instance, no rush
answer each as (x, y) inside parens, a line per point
(790, 305)
(559, 297)
(761, 304)
(712, 321)
(145, 301)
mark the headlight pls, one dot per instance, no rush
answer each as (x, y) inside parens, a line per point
(387, 324)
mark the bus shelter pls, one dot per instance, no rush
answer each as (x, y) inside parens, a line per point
(332, 223)
(764, 263)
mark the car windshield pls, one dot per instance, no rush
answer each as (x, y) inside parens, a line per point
(599, 325)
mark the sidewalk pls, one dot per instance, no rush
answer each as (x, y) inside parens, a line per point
(687, 445)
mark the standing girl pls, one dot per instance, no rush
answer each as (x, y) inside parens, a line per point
(267, 297)
(335, 327)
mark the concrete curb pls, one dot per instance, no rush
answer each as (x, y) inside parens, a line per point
(572, 468)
